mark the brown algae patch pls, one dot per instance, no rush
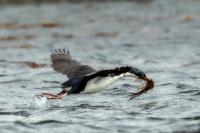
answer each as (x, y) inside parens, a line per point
(30, 64)
(16, 26)
(106, 34)
(14, 38)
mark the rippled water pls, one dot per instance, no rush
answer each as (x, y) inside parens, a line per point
(161, 38)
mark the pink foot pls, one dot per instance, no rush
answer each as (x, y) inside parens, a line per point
(60, 95)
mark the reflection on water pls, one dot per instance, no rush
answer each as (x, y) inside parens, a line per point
(160, 37)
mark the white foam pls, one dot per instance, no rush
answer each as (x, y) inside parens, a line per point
(39, 102)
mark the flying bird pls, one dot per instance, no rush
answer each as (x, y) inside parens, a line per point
(85, 79)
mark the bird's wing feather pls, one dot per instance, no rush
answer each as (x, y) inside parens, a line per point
(63, 63)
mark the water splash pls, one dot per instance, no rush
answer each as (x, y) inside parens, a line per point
(38, 102)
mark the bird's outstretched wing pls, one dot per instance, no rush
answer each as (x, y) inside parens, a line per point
(63, 63)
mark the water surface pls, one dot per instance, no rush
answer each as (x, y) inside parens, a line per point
(161, 38)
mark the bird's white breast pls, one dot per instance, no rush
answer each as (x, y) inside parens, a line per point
(100, 83)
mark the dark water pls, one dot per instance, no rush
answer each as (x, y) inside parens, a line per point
(162, 38)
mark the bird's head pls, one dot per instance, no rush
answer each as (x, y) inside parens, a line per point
(137, 72)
